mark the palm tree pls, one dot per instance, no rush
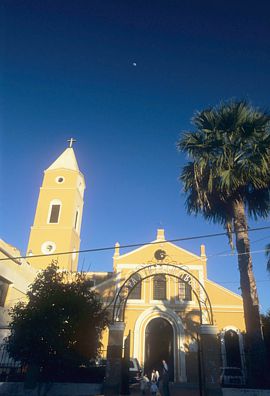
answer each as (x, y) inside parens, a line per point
(227, 180)
(267, 253)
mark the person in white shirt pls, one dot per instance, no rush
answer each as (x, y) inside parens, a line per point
(154, 375)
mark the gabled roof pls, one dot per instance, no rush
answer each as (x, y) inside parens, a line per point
(156, 246)
(146, 252)
(66, 160)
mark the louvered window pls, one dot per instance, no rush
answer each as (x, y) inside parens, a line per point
(136, 293)
(184, 290)
(159, 286)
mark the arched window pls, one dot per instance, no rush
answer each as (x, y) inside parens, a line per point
(54, 211)
(233, 355)
(136, 293)
(159, 287)
(184, 291)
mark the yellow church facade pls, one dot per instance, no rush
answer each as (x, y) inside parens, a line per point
(165, 298)
(159, 291)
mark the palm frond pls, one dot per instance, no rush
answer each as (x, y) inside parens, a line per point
(230, 159)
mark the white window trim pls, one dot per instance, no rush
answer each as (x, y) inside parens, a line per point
(54, 202)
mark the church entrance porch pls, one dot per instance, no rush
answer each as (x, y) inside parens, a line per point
(158, 335)
(158, 346)
(159, 329)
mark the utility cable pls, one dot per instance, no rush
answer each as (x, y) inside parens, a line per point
(134, 244)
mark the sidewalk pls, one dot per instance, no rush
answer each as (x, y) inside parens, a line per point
(175, 390)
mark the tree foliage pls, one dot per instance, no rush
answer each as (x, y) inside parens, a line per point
(227, 179)
(60, 324)
(230, 160)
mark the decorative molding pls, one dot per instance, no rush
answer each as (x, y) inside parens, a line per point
(135, 266)
(227, 306)
(207, 329)
(159, 243)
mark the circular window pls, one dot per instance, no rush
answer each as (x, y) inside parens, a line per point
(60, 179)
(48, 247)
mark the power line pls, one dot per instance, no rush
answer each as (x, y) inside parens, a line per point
(235, 282)
(134, 244)
(241, 254)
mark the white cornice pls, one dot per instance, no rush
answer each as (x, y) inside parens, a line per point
(224, 289)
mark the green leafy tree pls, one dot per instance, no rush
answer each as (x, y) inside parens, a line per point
(60, 324)
(228, 179)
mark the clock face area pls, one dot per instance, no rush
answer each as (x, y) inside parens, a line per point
(48, 247)
(160, 254)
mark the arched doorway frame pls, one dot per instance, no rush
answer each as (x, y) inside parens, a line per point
(241, 346)
(178, 338)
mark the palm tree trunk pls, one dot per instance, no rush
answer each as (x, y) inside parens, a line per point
(249, 293)
(247, 280)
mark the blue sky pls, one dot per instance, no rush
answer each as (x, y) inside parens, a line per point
(68, 70)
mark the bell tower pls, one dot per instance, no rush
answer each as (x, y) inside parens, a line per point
(58, 215)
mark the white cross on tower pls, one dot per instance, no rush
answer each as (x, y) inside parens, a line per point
(71, 141)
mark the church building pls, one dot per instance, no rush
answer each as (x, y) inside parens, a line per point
(159, 292)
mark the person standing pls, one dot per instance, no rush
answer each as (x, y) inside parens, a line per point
(165, 378)
(144, 384)
(153, 388)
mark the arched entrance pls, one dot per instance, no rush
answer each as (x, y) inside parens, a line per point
(233, 356)
(158, 345)
(232, 348)
(179, 362)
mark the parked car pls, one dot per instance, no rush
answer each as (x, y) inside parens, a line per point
(135, 370)
(232, 376)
